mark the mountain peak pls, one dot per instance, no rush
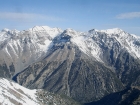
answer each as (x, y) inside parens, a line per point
(48, 30)
(43, 28)
(72, 32)
(5, 30)
(40, 28)
(113, 31)
(93, 31)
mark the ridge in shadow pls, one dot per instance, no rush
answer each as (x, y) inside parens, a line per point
(125, 97)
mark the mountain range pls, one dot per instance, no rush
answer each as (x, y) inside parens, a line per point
(88, 66)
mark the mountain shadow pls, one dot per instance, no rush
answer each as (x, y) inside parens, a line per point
(129, 96)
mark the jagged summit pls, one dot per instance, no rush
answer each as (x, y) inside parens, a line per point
(89, 42)
(44, 28)
(43, 35)
(113, 31)
(40, 28)
(8, 30)
(51, 31)
(72, 32)
(92, 30)
(5, 30)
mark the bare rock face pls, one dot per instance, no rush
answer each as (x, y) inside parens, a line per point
(66, 70)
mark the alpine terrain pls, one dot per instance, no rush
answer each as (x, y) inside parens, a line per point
(89, 67)
(14, 94)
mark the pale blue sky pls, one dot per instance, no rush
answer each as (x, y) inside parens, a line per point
(81, 15)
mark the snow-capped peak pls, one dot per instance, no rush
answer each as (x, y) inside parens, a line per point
(40, 28)
(92, 32)
(44, 28)
(128, 41)
(5, 30)
(113, 31)
(51, 31)
(10, 31)
(72, 33)
(89, 42)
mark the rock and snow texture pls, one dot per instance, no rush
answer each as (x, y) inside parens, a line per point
(19, 49)
(128, 41)
(93, 41)
(69, 61)
(13, 94)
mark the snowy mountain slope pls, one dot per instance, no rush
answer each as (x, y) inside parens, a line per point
(21, 48)
(12, 93)
(129, 41)
(91, 42)
(85, 43)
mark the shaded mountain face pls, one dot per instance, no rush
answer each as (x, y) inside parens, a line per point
(83, 65)
(129, 96)
(69, 71)
(14, 94)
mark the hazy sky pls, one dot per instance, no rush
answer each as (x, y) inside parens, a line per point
(81, 15)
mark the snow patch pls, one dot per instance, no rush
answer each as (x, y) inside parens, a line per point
(12, 91)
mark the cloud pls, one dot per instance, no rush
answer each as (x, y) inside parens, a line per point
(129, 15)
(29, 17)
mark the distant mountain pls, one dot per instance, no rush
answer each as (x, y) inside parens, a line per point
(86, 66)
(13, 94)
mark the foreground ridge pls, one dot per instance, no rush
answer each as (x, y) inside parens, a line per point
(13, 94)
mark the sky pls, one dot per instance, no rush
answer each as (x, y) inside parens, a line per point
(80, 15)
